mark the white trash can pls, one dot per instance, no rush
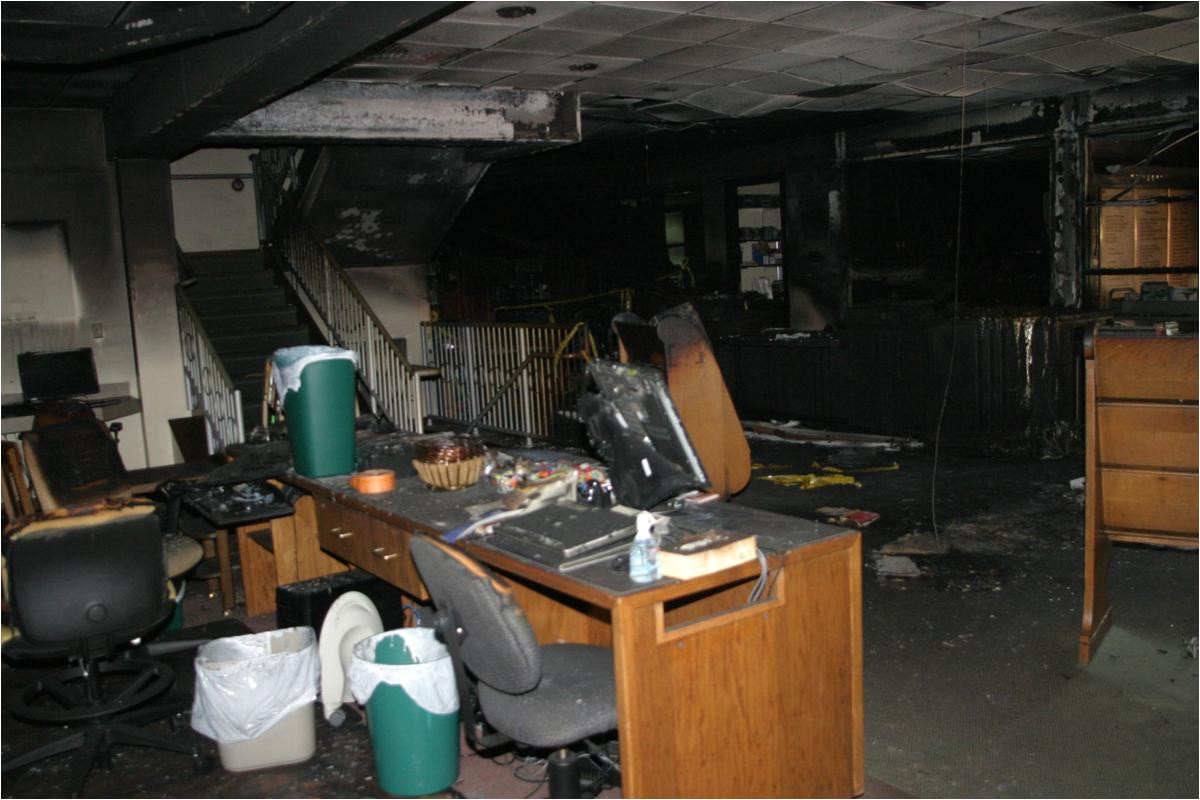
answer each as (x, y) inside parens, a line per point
(255, 696)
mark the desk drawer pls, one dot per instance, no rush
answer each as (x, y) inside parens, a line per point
(372, 544)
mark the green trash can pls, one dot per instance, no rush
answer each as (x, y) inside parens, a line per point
(316, 384)
(406, 680)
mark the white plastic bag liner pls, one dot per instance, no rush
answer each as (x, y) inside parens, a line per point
(246, 684)
(429, 682)
(289, 362)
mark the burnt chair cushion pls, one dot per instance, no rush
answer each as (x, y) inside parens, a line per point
(575, 699)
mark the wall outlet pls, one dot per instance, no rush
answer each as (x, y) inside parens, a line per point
(97, 330)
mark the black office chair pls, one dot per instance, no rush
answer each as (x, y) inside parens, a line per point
(80, 588)
(510, 688)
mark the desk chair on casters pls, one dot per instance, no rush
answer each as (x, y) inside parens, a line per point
(510, 687)
(80, 588)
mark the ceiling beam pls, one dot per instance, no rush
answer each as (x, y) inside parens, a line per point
(346, 111)
(178, 98)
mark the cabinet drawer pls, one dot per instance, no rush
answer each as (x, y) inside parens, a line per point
(379, 547)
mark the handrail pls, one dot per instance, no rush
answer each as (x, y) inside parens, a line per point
(391, 382)
(209, 387)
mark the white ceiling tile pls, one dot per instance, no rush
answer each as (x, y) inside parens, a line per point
(667, 90)
(718, 76)
(725, 100)
(1115, 25)
(1042, 85)
(652, 70)
(582, 66)
(631, 47)
(556, 42)
(904, 55)
(954, 83)
(779, 84)
(1022, 45)
(777, 103)
(913, 26)
(1084, 55)
(774, 62)
(706, 55)
(1175, 11)
(679, 112)
(486, 12)
(1187, 54)
(845, 17)
(1027, 65)
(426, 55)
(532, 80)
(770, 37)
(758, 11)
(978, 34)
(896, 89)
(510, 60)
(611, 86)
(1051, 16)
(1164, 37)
(838, 45)
(462, 77)
(982, 9)
(612, 20)
(657, 5)
(689, 28)
(462, 34)
(836, 71)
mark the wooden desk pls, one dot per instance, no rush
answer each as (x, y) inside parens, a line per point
(715, 698)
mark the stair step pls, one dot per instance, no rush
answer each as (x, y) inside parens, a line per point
(223, 262)
(249, 321)
(246, 365)
(206, 285)
(228, 302)
(262, 341)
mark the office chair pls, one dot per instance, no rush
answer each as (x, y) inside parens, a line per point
(73, 460)
(510, 687)
(80, 588)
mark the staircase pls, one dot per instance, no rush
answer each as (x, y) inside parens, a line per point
(247, 315)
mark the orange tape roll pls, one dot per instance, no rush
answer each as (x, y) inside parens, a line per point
(374, 481)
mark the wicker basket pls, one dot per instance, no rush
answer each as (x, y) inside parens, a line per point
(455, 475)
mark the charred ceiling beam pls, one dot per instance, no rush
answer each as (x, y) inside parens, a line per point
(178, 98)
(348, 111)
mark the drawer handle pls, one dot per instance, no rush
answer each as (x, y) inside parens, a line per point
(385, 556)
(343, 534)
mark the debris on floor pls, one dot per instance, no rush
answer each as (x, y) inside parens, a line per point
(791, 431)
(1191, 647)
(916, 543)
(838, 515)
(811, 480)
(1078, 484)
(887, 566)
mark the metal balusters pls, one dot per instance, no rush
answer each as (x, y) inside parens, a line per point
(209, 387)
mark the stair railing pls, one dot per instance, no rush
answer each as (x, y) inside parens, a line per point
(391, 382)
(209, 387)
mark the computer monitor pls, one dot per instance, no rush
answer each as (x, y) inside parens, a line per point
(57, 374)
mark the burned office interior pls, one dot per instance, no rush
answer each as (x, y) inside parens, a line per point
(600, 399)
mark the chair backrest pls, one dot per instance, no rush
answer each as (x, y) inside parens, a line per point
(74, 462)
(74, 579)
(496, 643)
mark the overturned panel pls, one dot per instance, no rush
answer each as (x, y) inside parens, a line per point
(345, 110)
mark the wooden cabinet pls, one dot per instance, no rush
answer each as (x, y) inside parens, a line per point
(379, 547)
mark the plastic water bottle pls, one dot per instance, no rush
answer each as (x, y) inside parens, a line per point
(643, 556)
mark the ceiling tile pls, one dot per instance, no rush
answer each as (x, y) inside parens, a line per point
(928, 105)
(380, 73)
(1023, 45)
(836, 71)
(1186, 54)
(1094, 53)
(1044, 85)
(845, 17)
(897, 89)
(954, 83)
(1051, 16)
(611, 86)
(913, 26)
(631, 47)
(613, 20)
(1115, 25)
(652, 70)
(657, 5)
(774, 62)
(770, 37)
(904, 55)
(425, 55)
(978, 34)
(779, 84)
(718, 76)
(532, 80)
(983, 10)
(689, 28)
(462, 34)
(1019, 64)
(707, 55)
(510, 60)
(725, 100)
(462, 77)
(771, 104)
(1175, 11)
(667, 90)
(556, 42)
(678, 112)
(757, 11)
(582, 66)
(1164, 37)
(838, 45)
(486, 12)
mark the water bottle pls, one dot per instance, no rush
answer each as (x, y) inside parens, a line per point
(643, 556)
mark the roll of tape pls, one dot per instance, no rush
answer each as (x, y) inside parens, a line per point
(374, 481)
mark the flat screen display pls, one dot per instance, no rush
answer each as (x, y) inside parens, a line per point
(58, 374)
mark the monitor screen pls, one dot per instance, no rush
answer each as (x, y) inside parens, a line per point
(57, 375)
